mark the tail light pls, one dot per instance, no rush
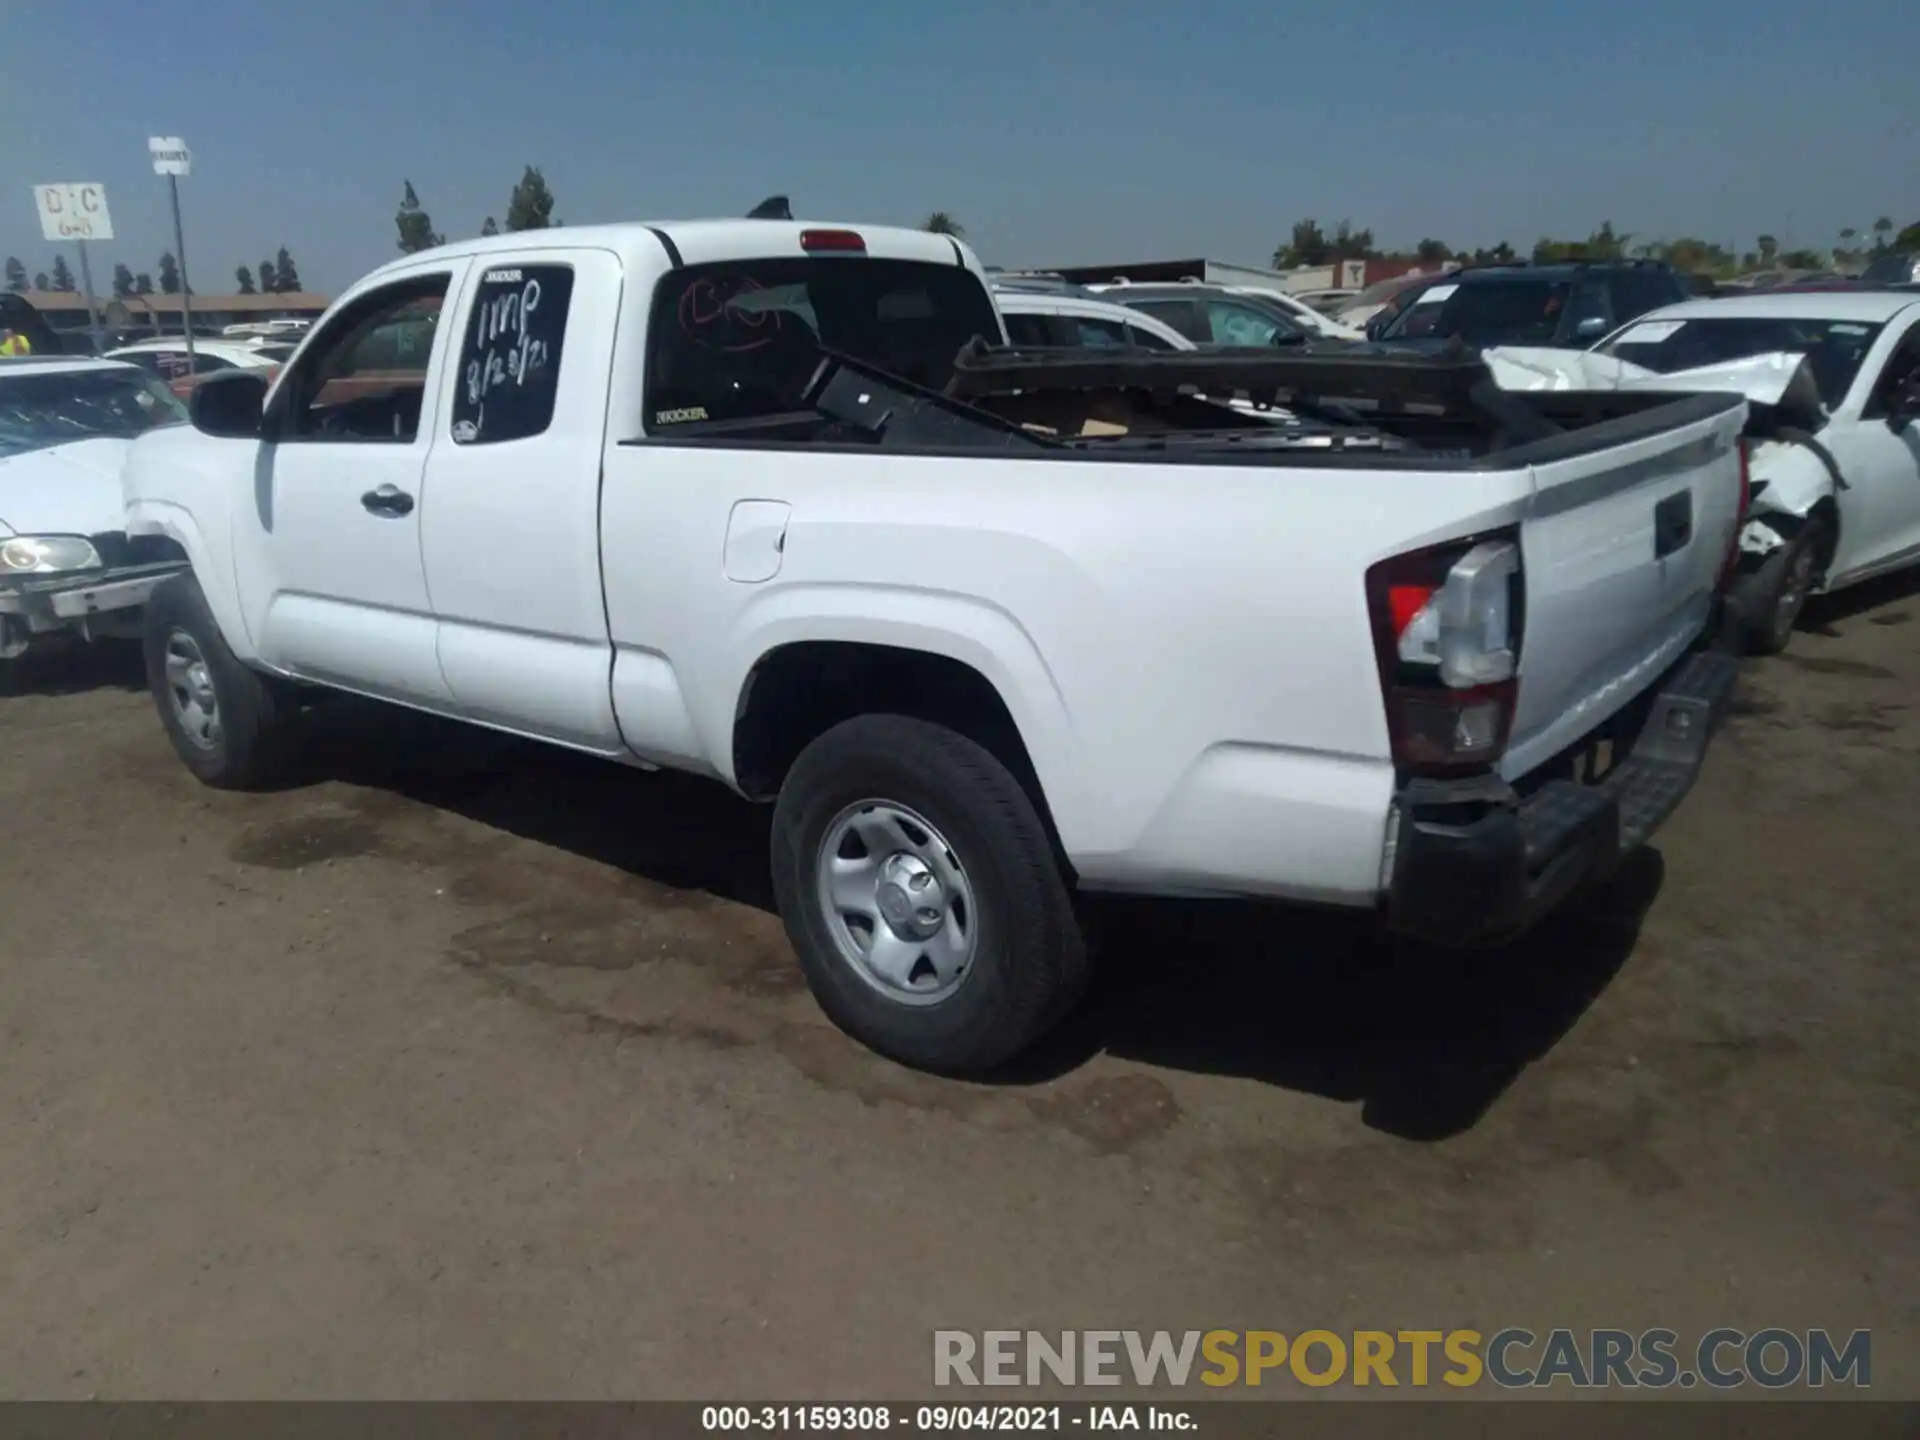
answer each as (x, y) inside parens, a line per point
(1446, 625)
(1728, 565)
(843, 241)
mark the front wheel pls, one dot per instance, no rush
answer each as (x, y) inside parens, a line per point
(921, 891)
(229, 724)
(1769, 598)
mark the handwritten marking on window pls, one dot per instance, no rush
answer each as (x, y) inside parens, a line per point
(714, 315)
(510, 353)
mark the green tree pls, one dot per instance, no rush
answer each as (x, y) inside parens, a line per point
(1769, 248)
(1846, 254)
(286, 279)
(40, 281)
(143, 284)
(169, 274)
(62, 276)
(1350, 244)
(1690, 255)
(1882, 228)
(243, 277)
(1907, 239)
(1501, 254)
(940, 222)
(488, 227)
(1803, 260)
(1432, 252)
(16, 274)
(531, 205)
(122, 281)
(415, 225)
(1307, 245)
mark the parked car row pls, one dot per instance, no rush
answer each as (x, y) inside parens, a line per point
(961, 575)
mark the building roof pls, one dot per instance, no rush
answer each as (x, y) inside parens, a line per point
(65, 302)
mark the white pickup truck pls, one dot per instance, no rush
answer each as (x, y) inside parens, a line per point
(988, 626)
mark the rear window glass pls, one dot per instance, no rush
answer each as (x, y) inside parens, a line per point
(1834, 348)
(740, 340)
(1486, 312)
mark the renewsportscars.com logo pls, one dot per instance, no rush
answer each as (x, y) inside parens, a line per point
(1722, 1359)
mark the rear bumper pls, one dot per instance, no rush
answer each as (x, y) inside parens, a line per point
(1475, 863)
(58, 601)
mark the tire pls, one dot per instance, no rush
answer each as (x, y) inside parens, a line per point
(247, 745)
(1768, 599)
(926, 791)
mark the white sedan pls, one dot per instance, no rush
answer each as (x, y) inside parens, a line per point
(1834, 379)
(67, 565)
(166, 357)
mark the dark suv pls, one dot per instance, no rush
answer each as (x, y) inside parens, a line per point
(1565, 306)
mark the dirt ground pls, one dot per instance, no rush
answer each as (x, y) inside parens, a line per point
(454, 1070)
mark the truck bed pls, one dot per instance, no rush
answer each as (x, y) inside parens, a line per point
(1354, 405)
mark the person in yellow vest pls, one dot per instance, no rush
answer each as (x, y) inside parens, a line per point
(12, 342)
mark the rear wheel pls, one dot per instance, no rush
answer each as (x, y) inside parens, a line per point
(229, 724)
(1769, 598)
(921, 891)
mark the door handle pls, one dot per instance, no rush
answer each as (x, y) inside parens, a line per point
(389, 501)
(1672, 524)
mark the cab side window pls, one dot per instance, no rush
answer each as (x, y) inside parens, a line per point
(365, 377)
(1181, 315)
(1242, 325)
(509, 365)
(1093, 333)
(1146, 339)
(1029, 330)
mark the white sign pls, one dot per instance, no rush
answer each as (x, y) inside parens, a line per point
(170, 155)
(73, 212)
(1433, 295)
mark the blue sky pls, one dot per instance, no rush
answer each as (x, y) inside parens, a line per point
(1058, 131)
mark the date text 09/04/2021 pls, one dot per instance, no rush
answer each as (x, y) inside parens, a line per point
(780, 1419)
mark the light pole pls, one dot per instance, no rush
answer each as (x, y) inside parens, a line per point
(172, 159)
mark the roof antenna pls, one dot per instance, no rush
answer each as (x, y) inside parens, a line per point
(774, 207)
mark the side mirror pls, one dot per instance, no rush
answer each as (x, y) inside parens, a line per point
(1590, 328)
(229, 404)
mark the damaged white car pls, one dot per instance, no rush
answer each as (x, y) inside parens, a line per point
(67, 566)
(1832, 380)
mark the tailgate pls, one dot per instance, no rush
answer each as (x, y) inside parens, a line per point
(1622, 550)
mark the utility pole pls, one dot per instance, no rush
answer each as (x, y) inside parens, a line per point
(180, 254)
(86, 289)
(172, 159)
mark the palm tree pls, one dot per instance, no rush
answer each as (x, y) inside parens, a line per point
(1882, 228)
(941, 223)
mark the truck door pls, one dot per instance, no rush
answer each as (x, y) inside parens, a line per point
(330, 564)
(511, 528)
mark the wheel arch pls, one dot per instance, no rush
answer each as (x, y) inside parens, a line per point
(212, 566)
(802, 683)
